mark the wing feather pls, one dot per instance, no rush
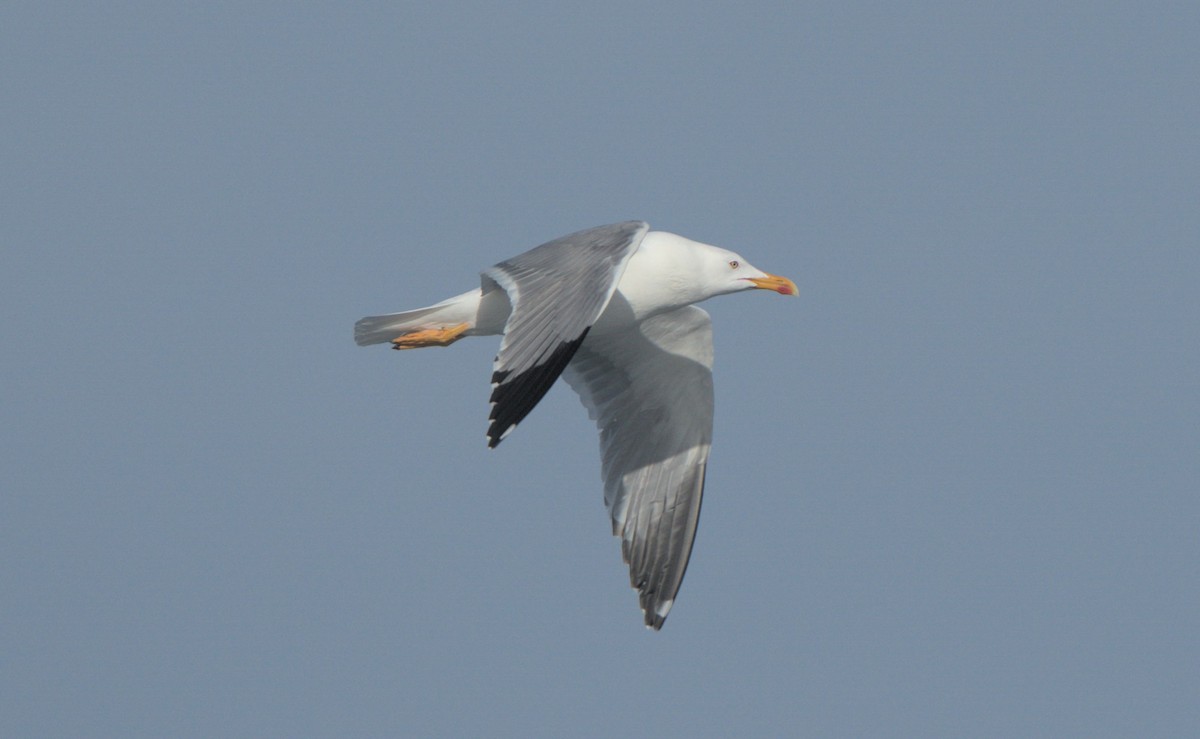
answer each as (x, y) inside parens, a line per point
(557, 291)
(650, 391)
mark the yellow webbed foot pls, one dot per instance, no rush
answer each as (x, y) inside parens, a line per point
(430, 337)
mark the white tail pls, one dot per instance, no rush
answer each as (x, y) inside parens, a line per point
(456, 310)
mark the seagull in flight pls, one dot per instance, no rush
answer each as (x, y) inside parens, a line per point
(612, 310)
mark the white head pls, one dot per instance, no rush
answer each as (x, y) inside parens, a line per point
(690, 271)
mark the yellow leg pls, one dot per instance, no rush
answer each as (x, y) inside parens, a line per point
(430, 337)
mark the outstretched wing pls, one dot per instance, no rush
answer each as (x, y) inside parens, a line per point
(557, 291)
(650, 392)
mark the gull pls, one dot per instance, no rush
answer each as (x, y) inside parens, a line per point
(610, 309)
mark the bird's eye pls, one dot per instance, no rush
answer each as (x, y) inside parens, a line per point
(734, 264)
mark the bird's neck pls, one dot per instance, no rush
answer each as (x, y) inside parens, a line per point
(658, 277)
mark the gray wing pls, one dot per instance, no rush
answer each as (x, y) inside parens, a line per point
(650, 392)
(557, 291)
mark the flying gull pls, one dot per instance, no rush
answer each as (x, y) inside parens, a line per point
(611, 310)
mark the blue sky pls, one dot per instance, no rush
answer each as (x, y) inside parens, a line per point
(953, 488)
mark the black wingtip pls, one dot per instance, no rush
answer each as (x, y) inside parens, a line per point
(494, 439)
(513, 398)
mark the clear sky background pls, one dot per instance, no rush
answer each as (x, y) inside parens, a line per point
(954, 487)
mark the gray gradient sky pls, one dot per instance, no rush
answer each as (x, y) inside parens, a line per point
(954, 486)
